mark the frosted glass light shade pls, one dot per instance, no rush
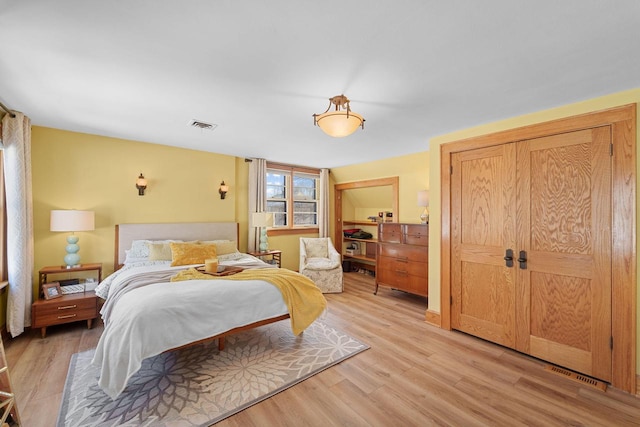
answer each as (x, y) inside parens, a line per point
(337, 124)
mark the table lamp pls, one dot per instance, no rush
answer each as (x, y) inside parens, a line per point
(72, 220)
(423, 201)
(262, 220)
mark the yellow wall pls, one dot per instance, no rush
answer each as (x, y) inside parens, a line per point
(413, 175)
(80, 171)
(614, 100)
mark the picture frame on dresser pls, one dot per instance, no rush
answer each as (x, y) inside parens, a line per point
(51, 290)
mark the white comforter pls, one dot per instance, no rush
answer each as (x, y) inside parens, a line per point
(145, 315)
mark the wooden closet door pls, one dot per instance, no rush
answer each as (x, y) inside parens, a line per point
(563, 300)
(483, 226)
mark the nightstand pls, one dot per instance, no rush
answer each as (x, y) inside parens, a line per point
(61, 269)
(66, 308)
(274, 256)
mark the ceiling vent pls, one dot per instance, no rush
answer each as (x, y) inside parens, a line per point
(202, 125)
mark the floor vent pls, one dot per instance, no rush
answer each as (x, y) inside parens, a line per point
(582, 379)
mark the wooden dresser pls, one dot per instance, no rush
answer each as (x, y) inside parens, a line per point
(402, 262)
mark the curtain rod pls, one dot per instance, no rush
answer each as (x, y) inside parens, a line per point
(7, 110)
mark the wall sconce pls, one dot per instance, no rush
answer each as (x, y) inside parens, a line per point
(141, 184)
(223, 190)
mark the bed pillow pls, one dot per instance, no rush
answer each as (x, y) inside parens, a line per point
(223, 247)
(191, 253)
(139, 249)
(130, 259)
(159, 251)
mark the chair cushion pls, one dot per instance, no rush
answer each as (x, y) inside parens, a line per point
(321, 264)
(316, 248)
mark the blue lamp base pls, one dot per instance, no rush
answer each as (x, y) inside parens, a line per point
(72, 259)
(264, 244)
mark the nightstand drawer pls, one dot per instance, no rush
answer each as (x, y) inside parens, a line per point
(69, 308)
(56, 318)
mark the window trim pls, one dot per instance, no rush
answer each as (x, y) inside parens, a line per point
(290, 228)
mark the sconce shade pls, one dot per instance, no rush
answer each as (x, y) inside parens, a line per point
(340, 122)
(423, 198)
(72, 220)
(141, 184)
(224, 188)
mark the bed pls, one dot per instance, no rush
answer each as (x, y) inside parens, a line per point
(158, 299)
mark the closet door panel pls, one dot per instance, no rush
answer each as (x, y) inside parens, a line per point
(483, 228)
(563, 305)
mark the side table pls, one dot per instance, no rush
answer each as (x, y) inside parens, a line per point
(60, 269)
(273, 256)
(65, 309)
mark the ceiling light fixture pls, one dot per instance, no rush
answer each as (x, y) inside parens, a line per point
(340, 122)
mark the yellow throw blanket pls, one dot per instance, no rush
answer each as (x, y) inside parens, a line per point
(303, 298)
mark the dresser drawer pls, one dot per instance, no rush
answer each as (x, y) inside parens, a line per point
(404, 252)
(415, 234)
(402, 266)
(402, 281)
(389, 232)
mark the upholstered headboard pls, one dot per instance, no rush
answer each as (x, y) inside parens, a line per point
(127, 233)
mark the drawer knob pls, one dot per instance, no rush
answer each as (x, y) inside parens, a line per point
(67, 307)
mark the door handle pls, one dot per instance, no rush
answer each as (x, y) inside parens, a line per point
(508, 258)
(523, 260)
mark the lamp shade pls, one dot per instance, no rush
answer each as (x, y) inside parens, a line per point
(423, 198)
(262, 219)
(338, 123)
(72, 220)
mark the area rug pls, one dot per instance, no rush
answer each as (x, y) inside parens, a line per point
(200, 386)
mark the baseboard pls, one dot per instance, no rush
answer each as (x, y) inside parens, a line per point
(432, 318)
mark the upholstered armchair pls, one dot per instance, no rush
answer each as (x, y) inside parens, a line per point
(320, 262)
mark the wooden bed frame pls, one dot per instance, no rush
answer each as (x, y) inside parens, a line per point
(126, 233)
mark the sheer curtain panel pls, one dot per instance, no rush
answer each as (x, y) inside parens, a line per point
(323, 205)
(16, 146)
(257, 198)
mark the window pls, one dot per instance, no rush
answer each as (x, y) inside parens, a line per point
(292, 196)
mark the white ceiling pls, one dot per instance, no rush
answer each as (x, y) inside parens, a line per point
(259, 69)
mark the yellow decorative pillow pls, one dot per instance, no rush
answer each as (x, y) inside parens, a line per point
(159, 252)
(223, 247)
(191, 253)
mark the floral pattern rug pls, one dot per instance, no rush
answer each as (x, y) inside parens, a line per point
(200, 386)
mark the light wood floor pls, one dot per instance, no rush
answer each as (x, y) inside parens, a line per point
(414, 375)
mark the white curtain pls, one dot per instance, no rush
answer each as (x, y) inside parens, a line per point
(257, 198)
(16, 146)
(323, 205)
